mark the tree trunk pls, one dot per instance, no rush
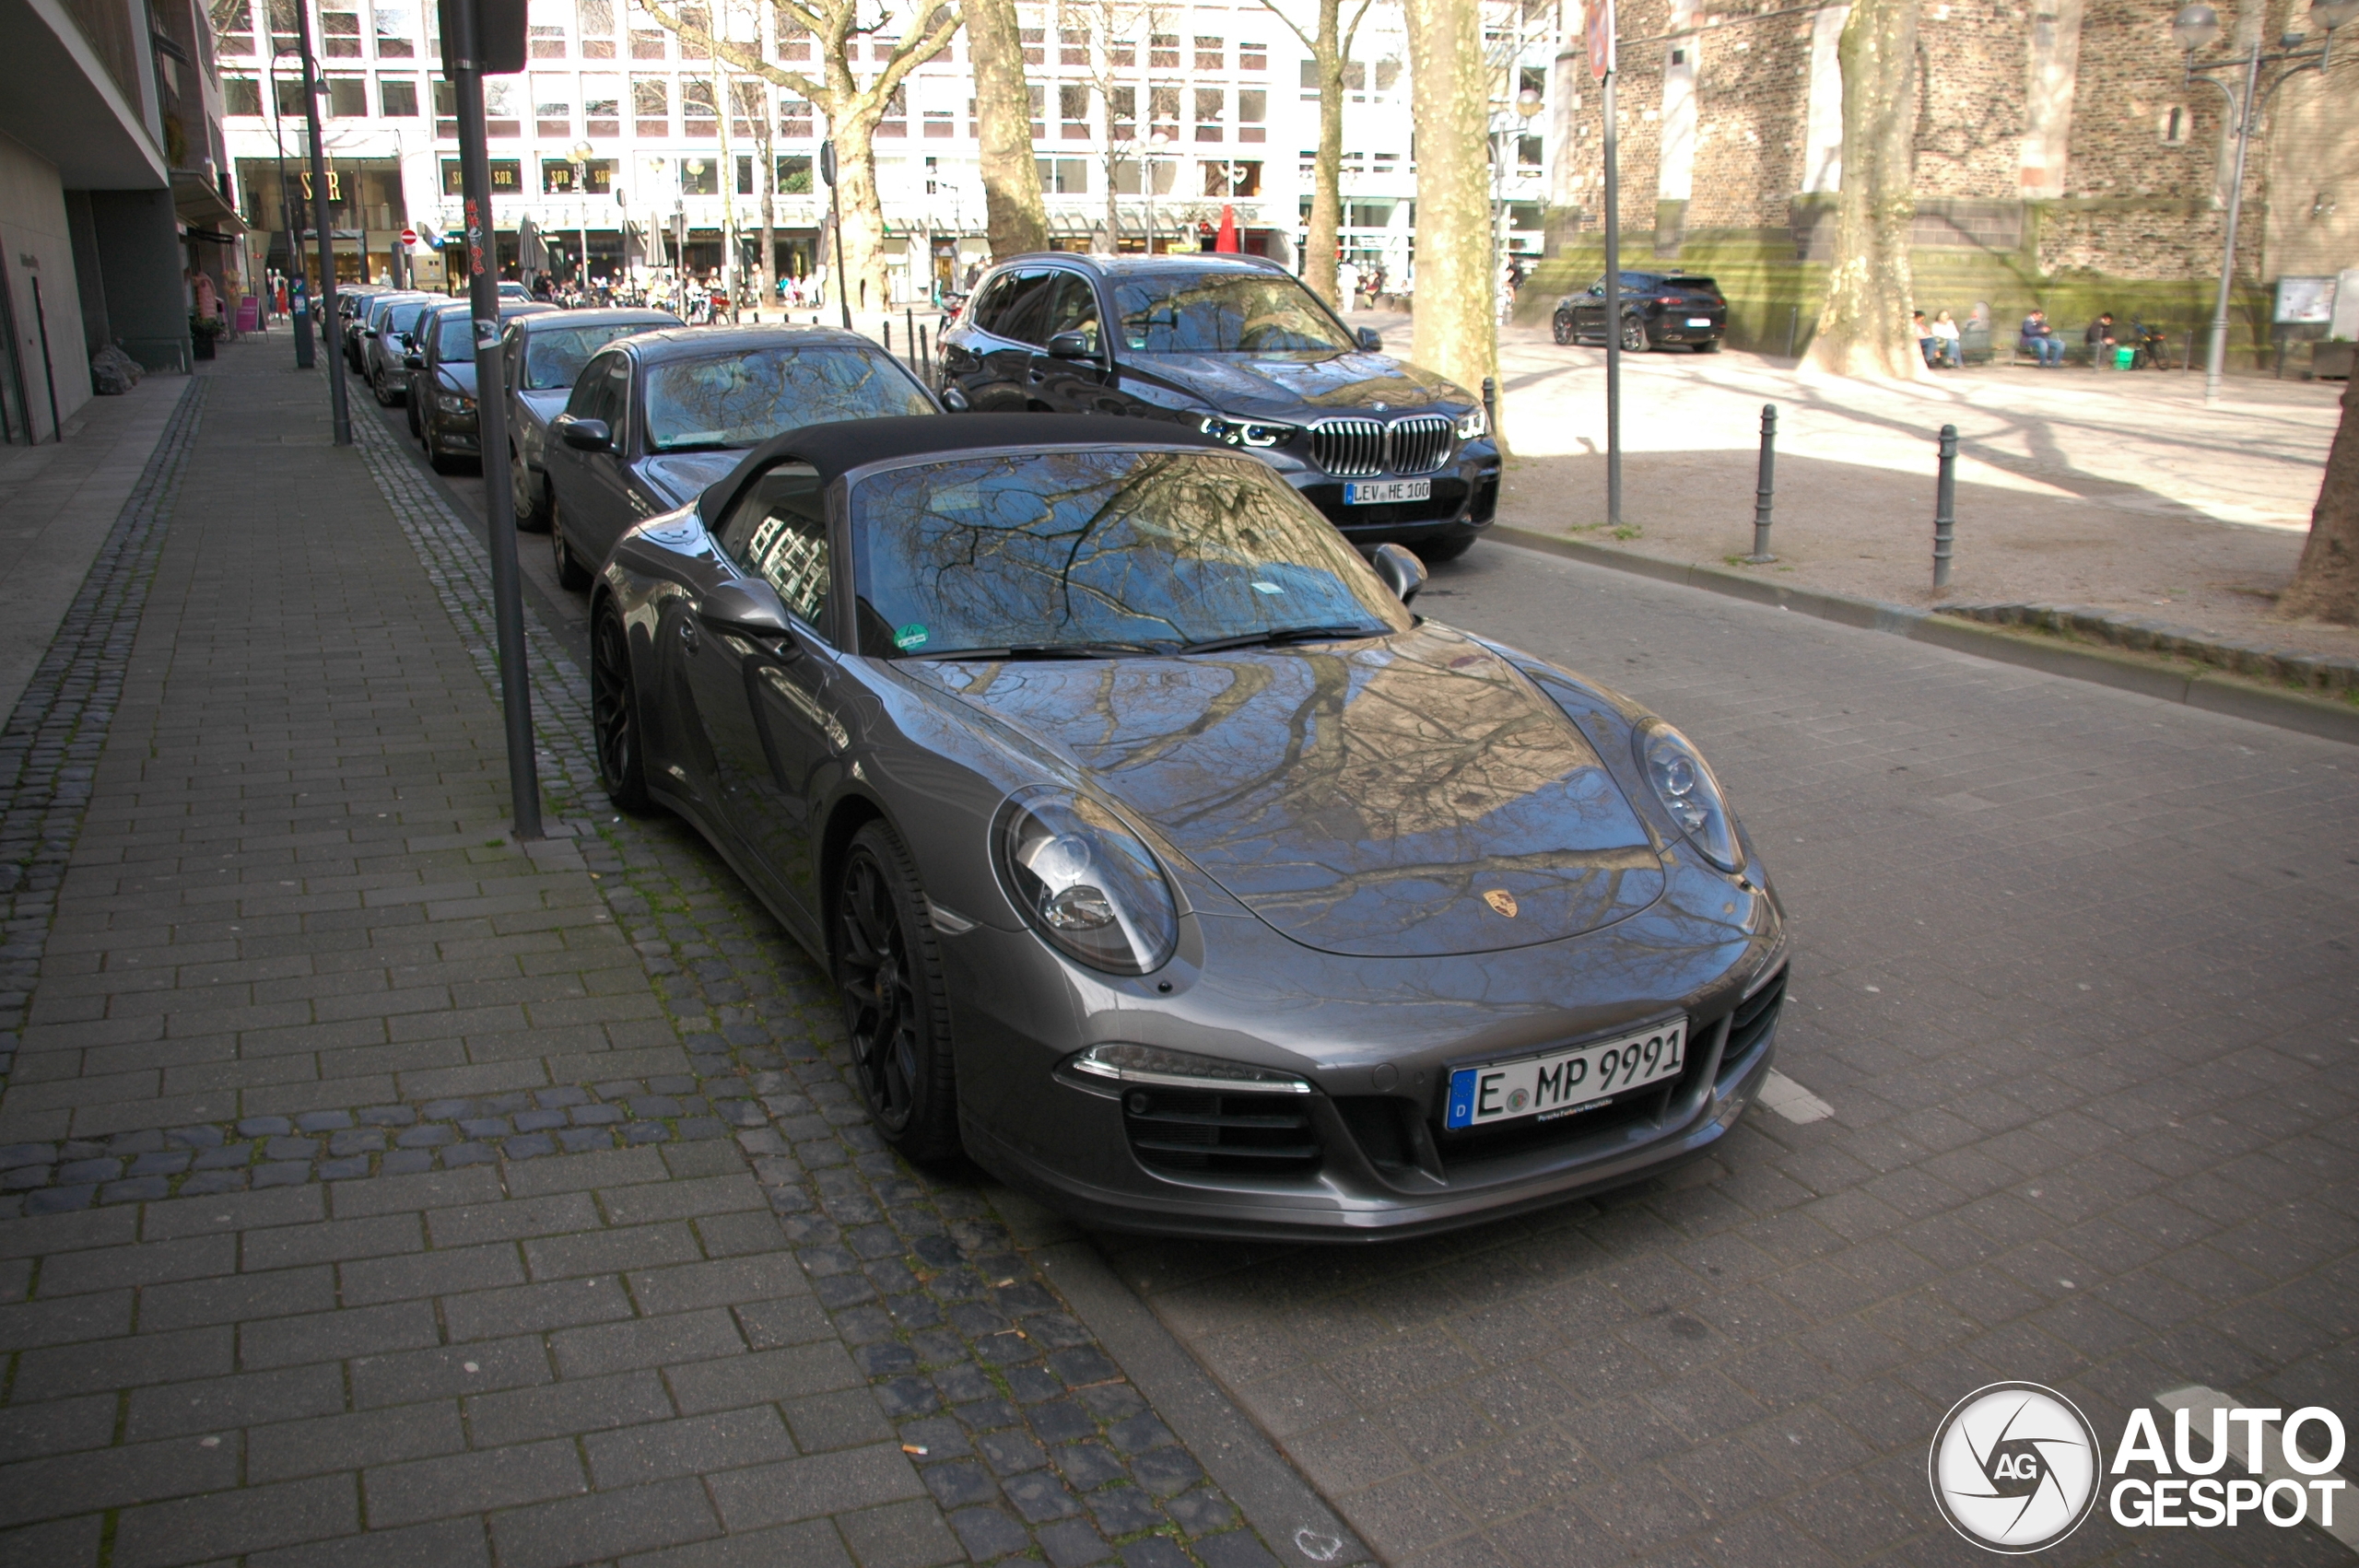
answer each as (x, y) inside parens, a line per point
(1017, 220)
(2326, 585)
(1865, 330)
(1322, 230)
(862, 212)
(1456, 330)
(766, 140)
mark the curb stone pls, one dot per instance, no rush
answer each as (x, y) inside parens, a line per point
(2216, 690)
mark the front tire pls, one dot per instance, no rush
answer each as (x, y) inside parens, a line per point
(525, 490)
(613, 713)
(897, 1008)
(570, 573)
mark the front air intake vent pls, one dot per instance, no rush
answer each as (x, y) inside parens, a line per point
(1185, 1129)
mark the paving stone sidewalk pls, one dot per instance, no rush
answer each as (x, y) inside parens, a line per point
(378, 1190)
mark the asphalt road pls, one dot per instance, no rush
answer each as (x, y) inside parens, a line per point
(2072, 971)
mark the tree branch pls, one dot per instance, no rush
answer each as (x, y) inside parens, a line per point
(1308, 42)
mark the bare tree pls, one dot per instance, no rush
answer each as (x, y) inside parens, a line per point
(1013, 212)
(1456, 324)
(1330, 43)
(1112, 33)
(2326, 585)
(852, 103)
(1864, 329)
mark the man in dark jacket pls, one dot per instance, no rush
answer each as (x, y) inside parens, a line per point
(2102, 340)
(2036, 338)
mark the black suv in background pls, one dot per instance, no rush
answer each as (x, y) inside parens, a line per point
(1237, 346)
(1659, 311)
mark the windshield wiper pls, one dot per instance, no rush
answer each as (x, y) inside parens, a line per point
(1043, 650)
(1282, 636)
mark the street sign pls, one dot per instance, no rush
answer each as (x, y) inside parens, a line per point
(1599, 26)
(409, 236)
(500, 38)
(827, 161)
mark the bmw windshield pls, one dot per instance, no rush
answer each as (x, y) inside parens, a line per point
(745, 397)
(1094, 553)
(1193, 312)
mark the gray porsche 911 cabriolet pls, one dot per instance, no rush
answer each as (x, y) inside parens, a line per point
(1164, 859)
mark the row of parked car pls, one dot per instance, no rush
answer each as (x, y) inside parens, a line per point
(1164, 859)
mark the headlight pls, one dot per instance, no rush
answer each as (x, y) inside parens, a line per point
(452, 402)
(1676, 772)
(1245, 432)
(1474, 423)
(1153, 1064)
(1087, 883)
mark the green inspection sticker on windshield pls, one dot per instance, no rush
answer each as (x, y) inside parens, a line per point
(911, 636)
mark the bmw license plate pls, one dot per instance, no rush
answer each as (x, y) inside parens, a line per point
(1699, 321)
(1557, 1085)
(1375, 492)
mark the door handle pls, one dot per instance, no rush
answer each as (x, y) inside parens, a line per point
(687, 636)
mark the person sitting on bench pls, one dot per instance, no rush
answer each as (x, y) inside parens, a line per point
(2038, 339)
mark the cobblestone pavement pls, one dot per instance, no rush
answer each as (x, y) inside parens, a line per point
(2074, 970)
(379, 1192)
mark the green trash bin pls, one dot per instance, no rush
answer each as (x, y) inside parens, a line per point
(2123, 358)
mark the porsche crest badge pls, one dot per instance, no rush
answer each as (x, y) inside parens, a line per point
(1500, 898)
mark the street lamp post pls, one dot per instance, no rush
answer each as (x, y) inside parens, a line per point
(581, 151)
(2197, 26)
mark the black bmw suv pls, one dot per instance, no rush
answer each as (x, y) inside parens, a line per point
(1237, 346)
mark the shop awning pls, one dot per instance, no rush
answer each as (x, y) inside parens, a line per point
(201, 205)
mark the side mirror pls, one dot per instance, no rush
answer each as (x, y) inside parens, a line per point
(1071, 345)
(746, 604)
(954, 400)
(584, 435)
(1371, 341)
(1402, 570)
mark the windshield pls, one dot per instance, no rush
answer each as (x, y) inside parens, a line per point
(404, 318)
(1223, 313)
(745, 397)
(1099, 552)
(454, 337)
(554, 356)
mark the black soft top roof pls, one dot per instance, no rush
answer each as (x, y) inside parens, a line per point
(836, 449)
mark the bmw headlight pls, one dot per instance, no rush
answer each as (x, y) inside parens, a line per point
(1676, 772)
(1245, 432)
(1474, 423)
(1087, 883)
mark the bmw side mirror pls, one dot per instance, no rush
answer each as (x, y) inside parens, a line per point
(746, 604)
(584, 435)
(1071, 345)
(1371, 340)
(1402, 570)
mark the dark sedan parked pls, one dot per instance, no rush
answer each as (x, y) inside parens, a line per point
(657, 416)
(1162, 859)
(1659, 311)
(545, 354)
(443, 380)
(1235, 347)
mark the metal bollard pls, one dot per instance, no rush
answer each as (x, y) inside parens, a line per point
(1945, 507)
(1491, 405)
(909, 350)
(888, 334)
(925, 356)
(1765, 487)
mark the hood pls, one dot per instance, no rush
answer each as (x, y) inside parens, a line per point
(459, 375)
(1279, 386)
(1389, 799)
(680, 478)
(544, 406)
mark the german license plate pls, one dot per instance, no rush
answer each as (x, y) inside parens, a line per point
(1699, 321)
(1375, 492)
(1564, 1082)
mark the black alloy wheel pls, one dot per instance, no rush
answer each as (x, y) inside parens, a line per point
(613, 712)
(570, 572)
(895, 1007)
(376, 390)
(409, 406)
(1563, 326)
(1634, 335)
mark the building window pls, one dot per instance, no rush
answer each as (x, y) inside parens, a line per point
(745, 175)
(503, 106)
(698, 111)
(557, 177)
(1039, 96)
(1311, 81)
(2172, 127)
(596, 19)
(238, 31)
(1034, 54)
(446, 111)
(548, 44)
(793, 40)
(794, 119)
(397, 98)
(1233, 180)
(896, 122)
(1124, 102)
(699, 177)
(240, 96)
(340, 34)
(1124, 54)
(1073, 111)
(1531, 152)
(794, 174)
(283, 39)
(347, 98)
(602, 106)
(651, 106)
(1211, 54)
(693, 19)
(1072, 46)
(1163, 51)
(1163, 107)
(552, 109)
(1210, 103)
(507, 177)
(396, 32)
(647, 44)
(1252, 56)
(1065, 176)
(941, 122)
(1253, 114)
